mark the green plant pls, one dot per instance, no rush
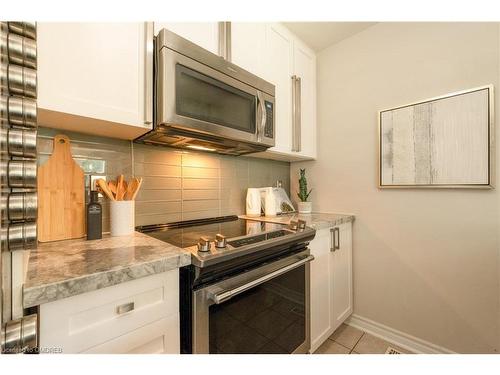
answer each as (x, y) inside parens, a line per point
(303, 194)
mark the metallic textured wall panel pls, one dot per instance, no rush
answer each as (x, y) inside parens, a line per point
(18, 134)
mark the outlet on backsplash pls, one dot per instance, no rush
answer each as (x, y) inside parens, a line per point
(90, 184)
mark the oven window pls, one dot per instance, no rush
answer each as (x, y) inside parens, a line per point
(204, 98)
(268, 319)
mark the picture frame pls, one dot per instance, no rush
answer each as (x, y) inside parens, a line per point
(441, 142)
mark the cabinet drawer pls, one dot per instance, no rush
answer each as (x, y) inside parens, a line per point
(159, 337)
(81, 322)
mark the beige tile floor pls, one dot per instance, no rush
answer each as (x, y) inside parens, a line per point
(350, 340)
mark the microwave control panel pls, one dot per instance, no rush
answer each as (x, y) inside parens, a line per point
(269, 128)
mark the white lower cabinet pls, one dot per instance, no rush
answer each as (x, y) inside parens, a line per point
(160, 337)
(139, 316)
(331, 281)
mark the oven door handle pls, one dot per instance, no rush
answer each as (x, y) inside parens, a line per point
(223, 296)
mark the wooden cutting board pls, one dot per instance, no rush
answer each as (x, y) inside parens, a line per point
(61, 195)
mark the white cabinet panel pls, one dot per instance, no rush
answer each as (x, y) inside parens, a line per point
(342, 277)
(161, 337)
(284, 56)
(204, 34)
(331, 281)
(321, 289)
(279, 70)
(80, 322)
(92, 71)
(248, 46)
(305, 67)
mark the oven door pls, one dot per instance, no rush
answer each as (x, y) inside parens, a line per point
(264, 310)
(195, 97)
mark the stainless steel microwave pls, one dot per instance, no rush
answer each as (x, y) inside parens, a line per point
(207, 103)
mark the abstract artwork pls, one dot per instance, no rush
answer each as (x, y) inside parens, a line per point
(440, 142)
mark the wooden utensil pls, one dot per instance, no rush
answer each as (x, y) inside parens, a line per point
(138, 186)
(112, 187)
(105, 189)
(61, 195)
(120, 188)
(133, 188)
(132, 185)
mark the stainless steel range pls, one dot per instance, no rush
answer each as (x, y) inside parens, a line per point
(247, 289)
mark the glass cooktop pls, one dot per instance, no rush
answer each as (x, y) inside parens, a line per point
(187, 233)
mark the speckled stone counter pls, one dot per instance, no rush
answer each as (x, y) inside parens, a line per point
(315, 220)
(62, 269)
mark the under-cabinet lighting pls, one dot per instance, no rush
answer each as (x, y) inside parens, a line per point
(203, 148)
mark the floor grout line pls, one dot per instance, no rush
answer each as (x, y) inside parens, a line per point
(338, 343)
(360, 337)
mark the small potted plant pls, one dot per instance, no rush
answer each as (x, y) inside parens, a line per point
(305, 207)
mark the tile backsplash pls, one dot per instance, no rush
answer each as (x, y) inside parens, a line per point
(178, 185)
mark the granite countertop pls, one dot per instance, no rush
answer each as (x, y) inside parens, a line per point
(62, 269)
(316, 220)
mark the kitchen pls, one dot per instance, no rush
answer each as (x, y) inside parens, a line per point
(170, 192)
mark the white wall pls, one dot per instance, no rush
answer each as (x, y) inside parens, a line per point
(426, 262)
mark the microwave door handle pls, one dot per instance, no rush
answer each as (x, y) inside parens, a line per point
(263, 116)
(223, 296)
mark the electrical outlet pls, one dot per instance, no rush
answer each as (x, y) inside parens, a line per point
(92, 185)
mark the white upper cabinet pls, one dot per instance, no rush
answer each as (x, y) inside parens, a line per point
(93, 71)
(290, 65)
(247, 46)
(279, 70)
(204, 34)
(304, 62)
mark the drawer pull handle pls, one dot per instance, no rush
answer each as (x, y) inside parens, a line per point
(126, 307)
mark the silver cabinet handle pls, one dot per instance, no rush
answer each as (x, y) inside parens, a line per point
(225, 40)
(221, 297)
(294, 113)
(332, 246)
(298, 121)
(126, 307)
(335, 239)
(148, 72)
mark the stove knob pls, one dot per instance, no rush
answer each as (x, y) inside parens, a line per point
(203, 245)
(293, 225)
(220, 241)
(302, 224)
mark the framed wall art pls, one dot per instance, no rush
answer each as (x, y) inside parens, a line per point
(442, 142)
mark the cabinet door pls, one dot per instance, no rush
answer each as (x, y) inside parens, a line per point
(160, 337)
(248, 45)
(278, 70)
(92, 70)
(305, 68)
(321, 288)
(342, 276)
(204, 34)
(87, 320)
